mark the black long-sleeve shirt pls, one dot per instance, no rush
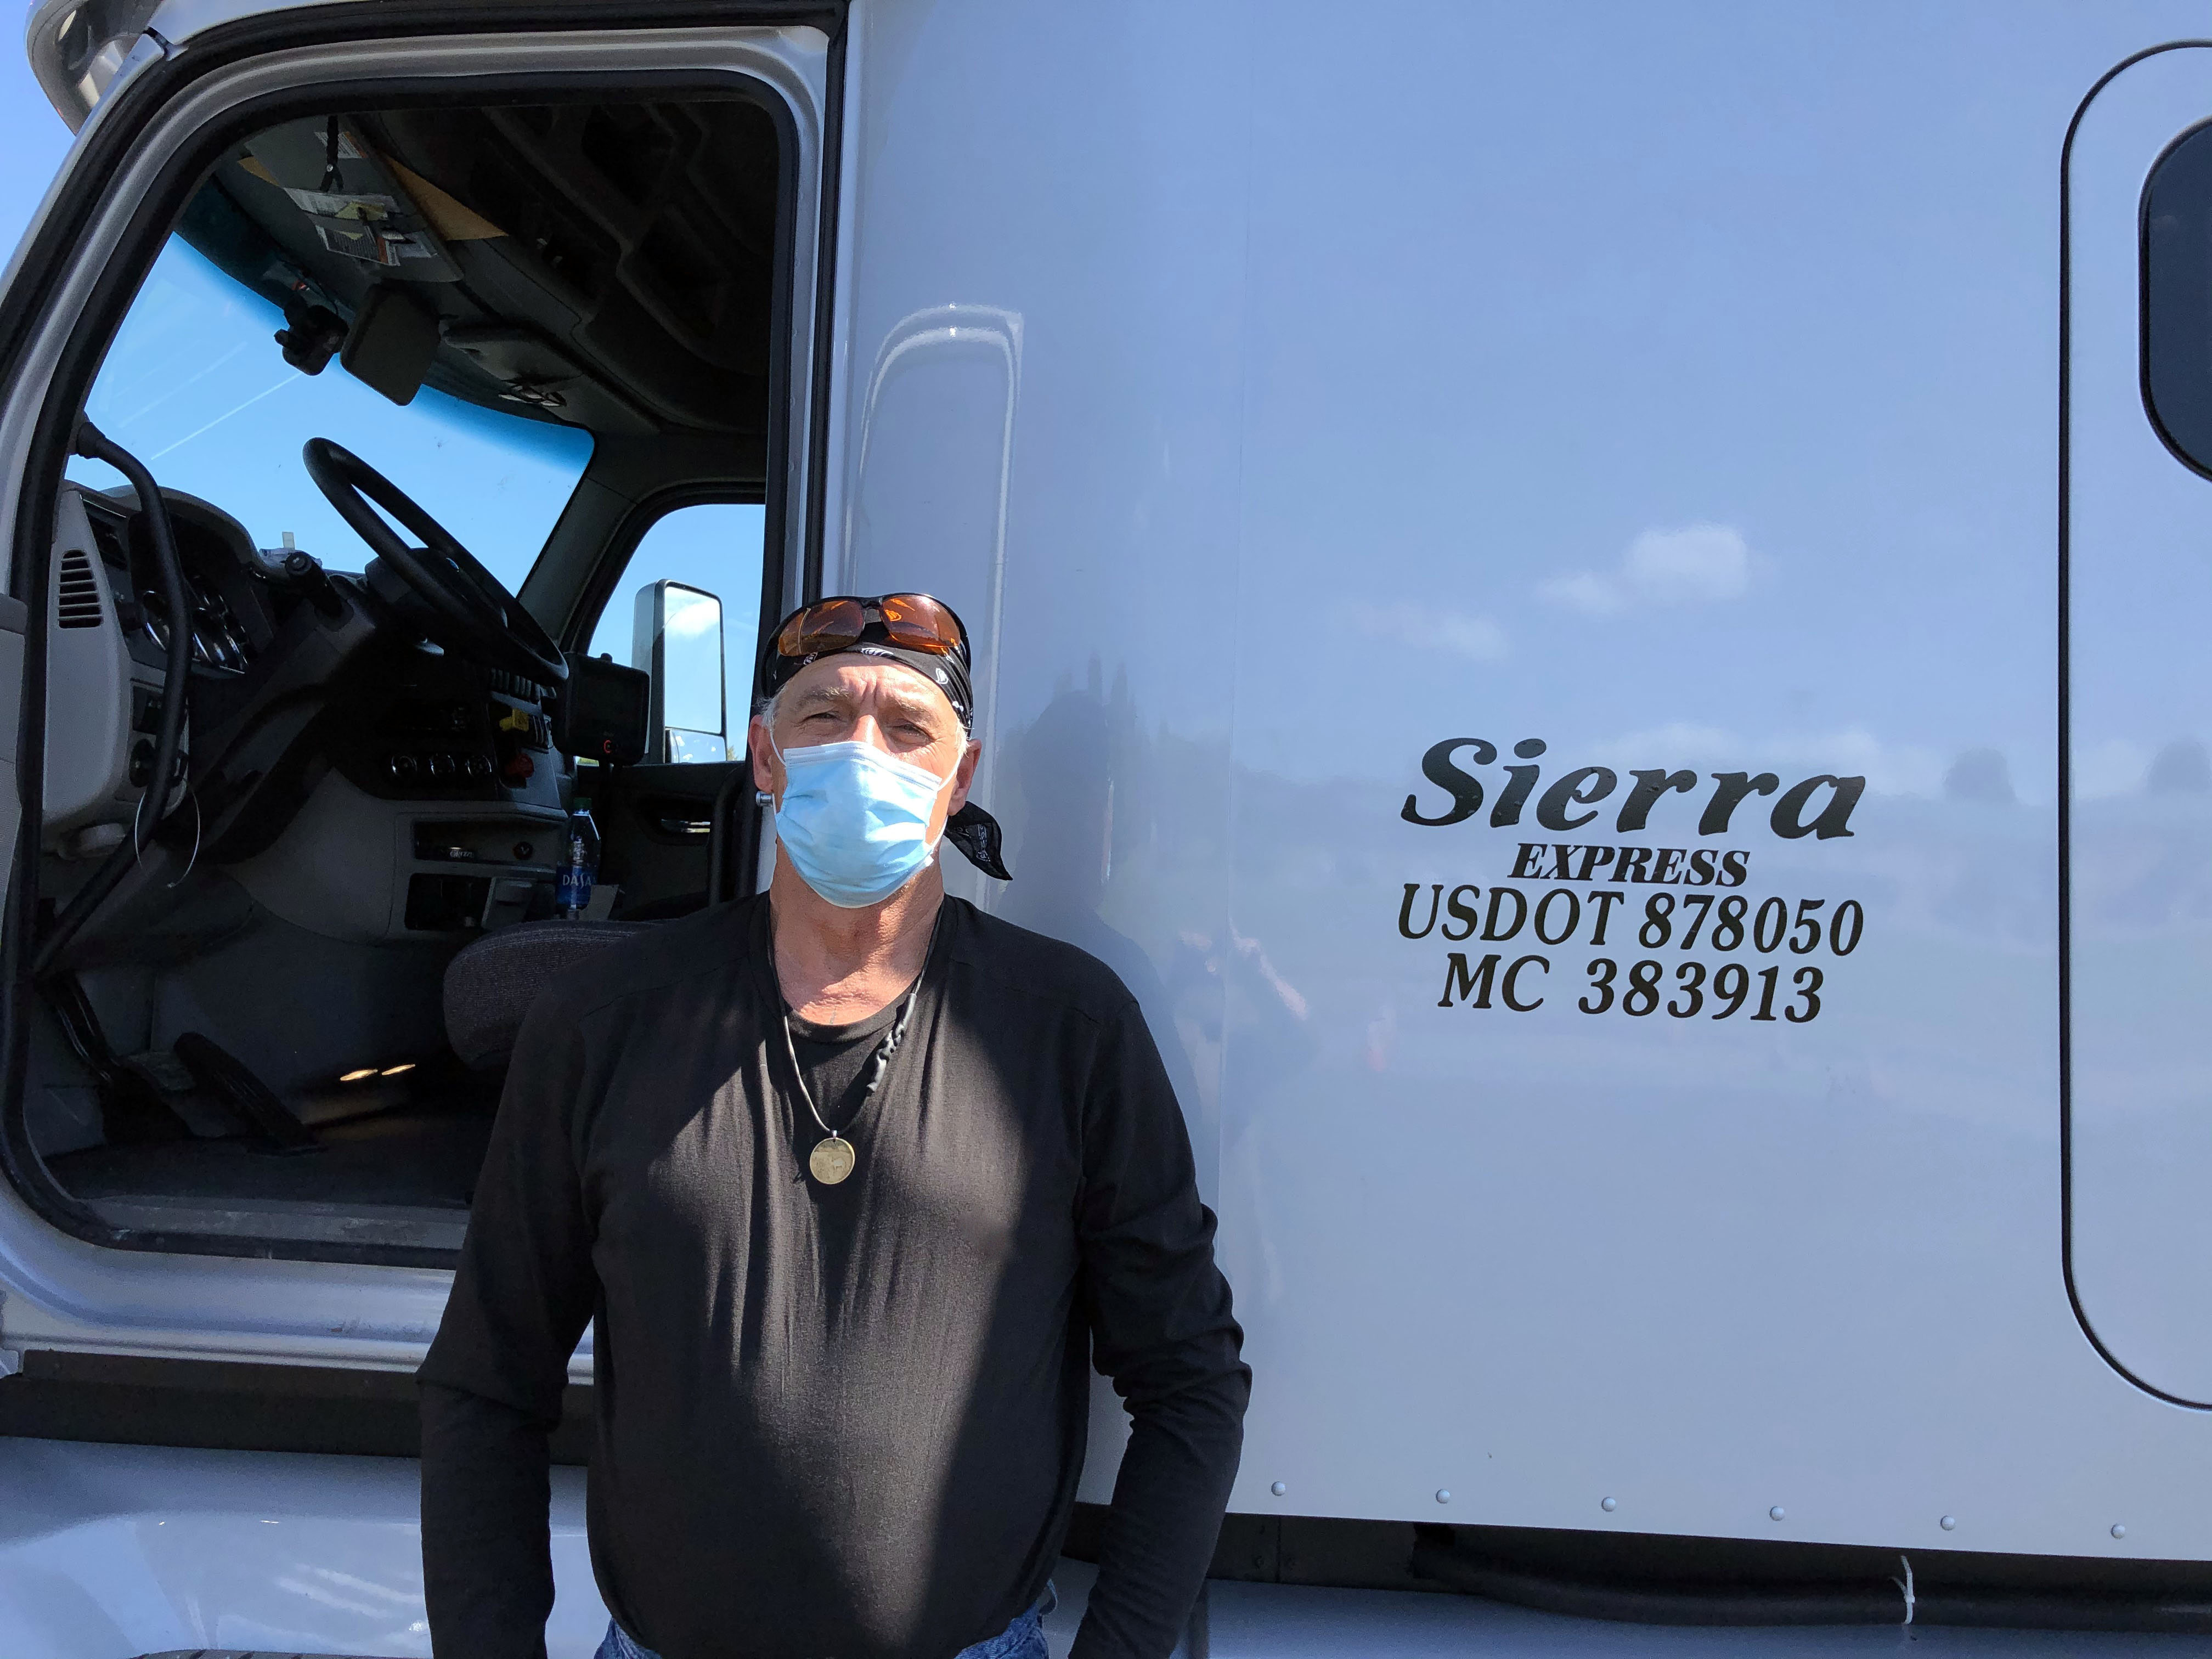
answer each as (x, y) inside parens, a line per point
(838, 1420)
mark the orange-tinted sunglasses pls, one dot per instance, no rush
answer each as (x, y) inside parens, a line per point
(913, 621)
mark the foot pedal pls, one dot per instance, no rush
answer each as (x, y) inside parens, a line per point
(133, 1110)
(206, 1114)
(230, 1078)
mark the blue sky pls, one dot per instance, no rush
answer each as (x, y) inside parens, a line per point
(31, 141)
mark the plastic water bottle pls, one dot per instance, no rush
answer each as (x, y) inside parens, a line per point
(581, 867)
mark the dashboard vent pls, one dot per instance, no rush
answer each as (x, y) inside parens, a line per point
(79, 598)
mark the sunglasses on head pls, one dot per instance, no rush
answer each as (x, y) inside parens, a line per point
(912, 620)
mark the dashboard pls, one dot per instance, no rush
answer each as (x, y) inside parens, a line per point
(231, 624)
(345, 772)
(278, 695)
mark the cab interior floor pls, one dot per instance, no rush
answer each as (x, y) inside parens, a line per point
(402, 1177)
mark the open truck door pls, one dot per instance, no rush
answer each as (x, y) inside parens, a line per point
(541, 293)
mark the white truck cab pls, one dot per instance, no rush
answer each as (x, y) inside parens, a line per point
(1601, 608)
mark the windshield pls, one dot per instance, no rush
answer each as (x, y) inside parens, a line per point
(196, 388)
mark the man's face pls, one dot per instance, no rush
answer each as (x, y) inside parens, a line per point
(868, 700)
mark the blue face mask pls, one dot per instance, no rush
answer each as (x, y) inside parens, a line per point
(855, 820)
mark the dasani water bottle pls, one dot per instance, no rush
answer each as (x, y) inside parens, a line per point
(580, 869)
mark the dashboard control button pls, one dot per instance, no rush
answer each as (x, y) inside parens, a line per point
(402, 768)
(480, 766)
(440, 766)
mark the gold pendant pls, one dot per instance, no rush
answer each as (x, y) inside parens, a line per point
(831, 1160)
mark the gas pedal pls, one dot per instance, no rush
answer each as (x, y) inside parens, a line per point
(223, 1074)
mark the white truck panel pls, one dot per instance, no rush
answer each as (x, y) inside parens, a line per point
(112, 1550)
(1677, 390)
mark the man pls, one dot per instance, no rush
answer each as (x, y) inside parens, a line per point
(849, 1180)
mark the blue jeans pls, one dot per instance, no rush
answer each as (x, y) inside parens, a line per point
(1023, 1639)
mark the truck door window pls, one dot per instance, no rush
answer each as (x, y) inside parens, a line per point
(707, 548)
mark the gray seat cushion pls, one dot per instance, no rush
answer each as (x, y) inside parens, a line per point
(490, 985)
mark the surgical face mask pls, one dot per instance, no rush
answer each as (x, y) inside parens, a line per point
(855, 820)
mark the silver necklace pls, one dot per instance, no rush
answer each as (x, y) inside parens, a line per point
(833, 1156)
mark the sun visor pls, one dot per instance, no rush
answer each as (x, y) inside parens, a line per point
(354, 203)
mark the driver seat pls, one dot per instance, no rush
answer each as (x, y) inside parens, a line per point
(491, 984)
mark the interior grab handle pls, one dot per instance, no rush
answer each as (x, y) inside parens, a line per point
(95, 445)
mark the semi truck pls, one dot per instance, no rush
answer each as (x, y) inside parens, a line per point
(1601, 608)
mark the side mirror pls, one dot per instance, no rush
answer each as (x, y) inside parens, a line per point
(677, 639)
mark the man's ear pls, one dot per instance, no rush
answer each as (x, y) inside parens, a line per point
(768, 774)
(963, 775)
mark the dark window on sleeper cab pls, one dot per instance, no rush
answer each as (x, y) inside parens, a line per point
(2176, 298)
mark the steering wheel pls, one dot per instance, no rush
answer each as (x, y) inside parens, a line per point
(472, 613)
